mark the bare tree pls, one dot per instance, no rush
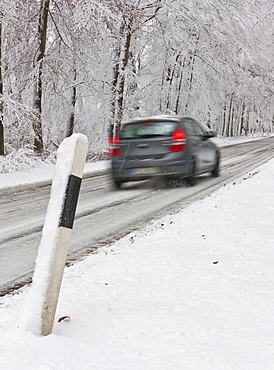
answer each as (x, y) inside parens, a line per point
(38, 65)
(1, 94)
(70, 125)
(134, 15)
(118, 81)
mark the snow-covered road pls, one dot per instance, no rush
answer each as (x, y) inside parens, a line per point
(102, 214)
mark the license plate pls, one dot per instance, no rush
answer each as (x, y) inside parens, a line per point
(144, 170)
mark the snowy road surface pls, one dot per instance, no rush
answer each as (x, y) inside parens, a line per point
(104, 215)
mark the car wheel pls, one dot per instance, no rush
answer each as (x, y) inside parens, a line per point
(216, 170)
(191, 179)
(117, 184)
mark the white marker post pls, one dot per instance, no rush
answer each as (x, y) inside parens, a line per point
(38, 310)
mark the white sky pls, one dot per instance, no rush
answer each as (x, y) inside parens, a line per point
(191, 291)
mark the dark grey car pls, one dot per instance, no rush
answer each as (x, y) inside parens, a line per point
(163, 147)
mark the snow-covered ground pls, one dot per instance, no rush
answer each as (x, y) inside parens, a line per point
(41, 173)
(191, 291)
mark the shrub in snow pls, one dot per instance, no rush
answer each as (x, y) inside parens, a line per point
(23, 159)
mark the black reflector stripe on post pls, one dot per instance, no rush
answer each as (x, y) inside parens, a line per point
(70, 202)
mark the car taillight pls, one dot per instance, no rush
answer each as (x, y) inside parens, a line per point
(115, 148)
(178, 141)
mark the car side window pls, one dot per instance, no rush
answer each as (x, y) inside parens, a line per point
(198, 131)
(189, 128)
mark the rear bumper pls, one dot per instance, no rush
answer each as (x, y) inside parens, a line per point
(142, 170)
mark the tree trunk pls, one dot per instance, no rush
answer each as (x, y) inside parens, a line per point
(247, 123)
(38, 62)
(229, 119)
(190, 78)
(224, 120)
(177, 105)
(170, 78)
(232, 121)
(192, 60)
(162, 97)
(177, 67)
(1, 94)
(70, 125)
(114, 89)
(118, 81)
(242, 119)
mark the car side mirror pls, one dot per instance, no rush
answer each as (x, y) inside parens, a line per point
(209, 134)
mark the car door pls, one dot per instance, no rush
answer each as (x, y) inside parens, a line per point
(206, 151)
(194, 138)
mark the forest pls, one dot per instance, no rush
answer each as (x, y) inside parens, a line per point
(87, 65)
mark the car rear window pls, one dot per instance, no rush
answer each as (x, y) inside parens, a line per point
(145, 129)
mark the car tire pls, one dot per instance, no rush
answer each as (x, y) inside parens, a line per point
(117, 184)
(216, 170)
(191, 178)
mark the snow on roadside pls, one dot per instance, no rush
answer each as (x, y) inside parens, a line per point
(193, 290)
(41, 174)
